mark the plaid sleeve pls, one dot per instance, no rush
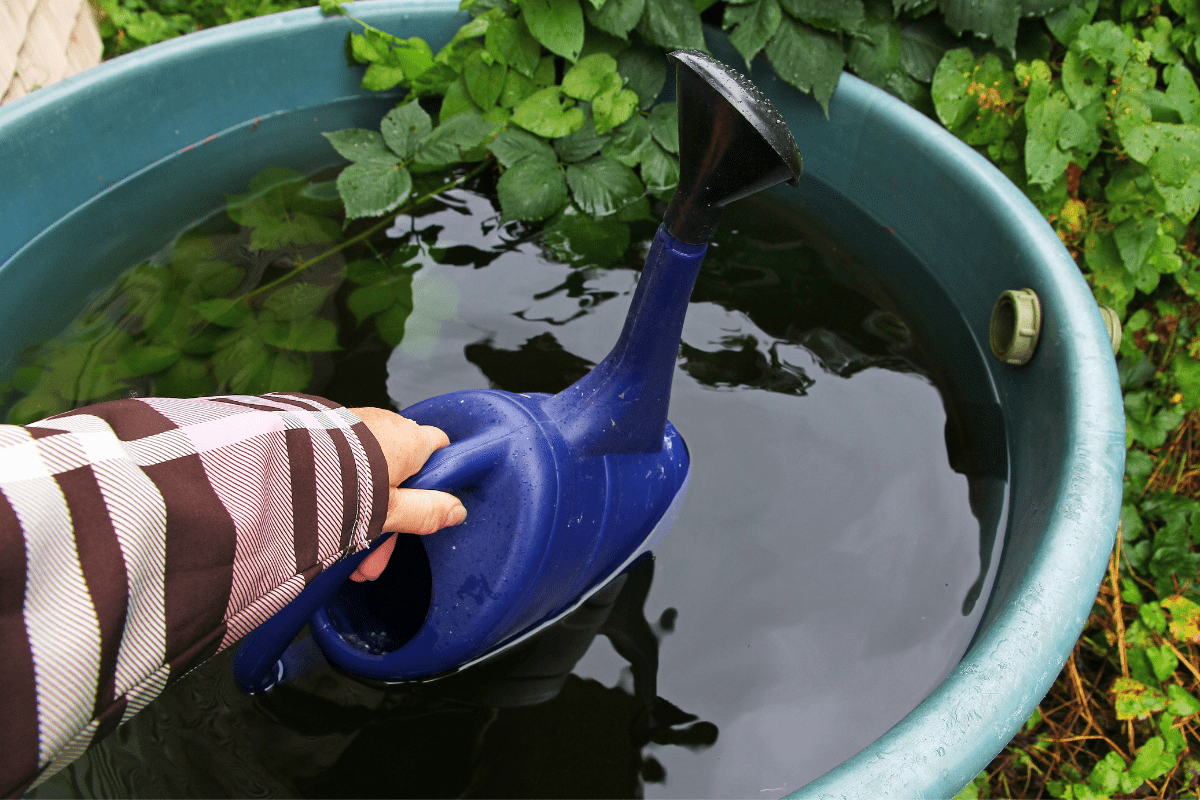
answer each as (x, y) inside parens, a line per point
(140, 537)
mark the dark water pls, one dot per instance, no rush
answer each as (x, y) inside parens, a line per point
(844, 519)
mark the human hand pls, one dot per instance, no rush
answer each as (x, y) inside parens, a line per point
(406, 446)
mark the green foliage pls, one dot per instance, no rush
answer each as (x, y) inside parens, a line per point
(189, 325)
(593, 142)
(1101, 133)
(127, 25)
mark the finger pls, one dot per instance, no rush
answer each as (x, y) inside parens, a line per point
(405, 444)
(422, 511)
(373, 565)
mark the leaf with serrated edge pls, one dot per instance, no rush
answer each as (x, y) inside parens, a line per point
(362, 146)
(589, 76)
(514, 145)
(547, 114)
(601, 185)
(557, 24)
(664, 126)
(294, 301)
(511, 43)
(372, 190)
(831, 15)
(616, 17)
(484, 80)
(532, 190)
(807, 59)
(404, 127)
(752, 25)
(672, 24)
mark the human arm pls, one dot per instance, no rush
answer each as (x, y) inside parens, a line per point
(140, 537)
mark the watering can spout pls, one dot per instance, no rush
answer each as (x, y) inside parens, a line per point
(732, 143)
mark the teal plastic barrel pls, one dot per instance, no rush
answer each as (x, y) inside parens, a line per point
(104, 168)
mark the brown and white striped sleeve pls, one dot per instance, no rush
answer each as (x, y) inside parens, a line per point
(140, 537)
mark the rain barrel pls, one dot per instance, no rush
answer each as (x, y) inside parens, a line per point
(101, 170)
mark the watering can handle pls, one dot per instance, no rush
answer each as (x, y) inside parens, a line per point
(257, 666)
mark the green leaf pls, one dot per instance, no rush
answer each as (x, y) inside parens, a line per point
(365, 301)
(672, 25)
(1105, 777)
(617, 17)
(580, 241)
(1045, 162)
(1182, 93)
(1183, 703)
(484, 78)
(1146, 425)
(1082, 78)
(664, 126)
(1134, 240)
(224, 311)
(557, 24)
(313, 334)
(390, 322)
(1151, 762)
(660, 170)
(583, 143)
(1153, 616)
(810, 60)
(265, 209)
(1134, 700)
(148, 359)
(187, 377)
(294, 301)
(532, 189)
(589, 76)
(372, 190)
(404, 127)
(874, 55)
(613, 106)
(454, 140)
(362, 146)
(288, 371)
(1105, 42)
(830, 15)
(510, 42)
(515, 145)
(1185, 619)
(236, 364)
(1186, 371)
(951, 82)
(548, 114)
(390, 60)
(1162, 660)
(922, 45)
(1066, 23)
(752, 25)
(630, 141)
(457, 100)
(1172, 736)
(516, 88)
(602, 185)
(331, 8)
(644, 70)
(1078, 137)
(995, 18)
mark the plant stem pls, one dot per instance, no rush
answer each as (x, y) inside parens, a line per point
(371, 231)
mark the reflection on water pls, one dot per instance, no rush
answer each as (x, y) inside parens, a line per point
(520, 725)
(846, 510)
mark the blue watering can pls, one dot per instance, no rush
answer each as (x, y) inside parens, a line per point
(563, 491)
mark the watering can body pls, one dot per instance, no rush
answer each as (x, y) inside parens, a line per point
(562, 491)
